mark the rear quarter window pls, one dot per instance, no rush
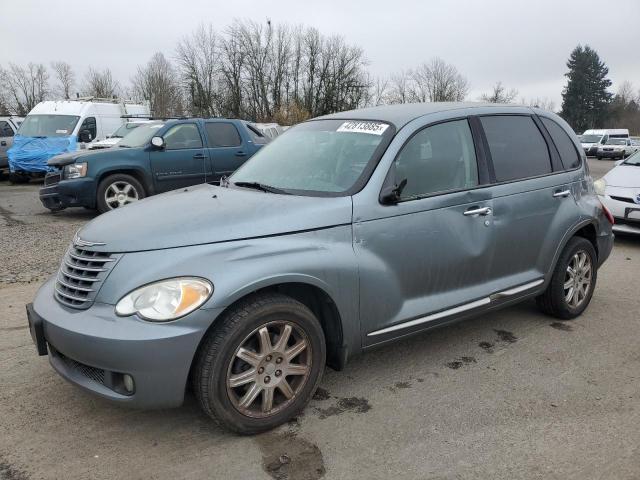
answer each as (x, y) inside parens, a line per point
(518, 149)
(567, 150)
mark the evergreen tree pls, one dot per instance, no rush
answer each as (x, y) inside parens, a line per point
(585, 99)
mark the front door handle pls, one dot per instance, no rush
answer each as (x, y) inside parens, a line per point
(241, 154)
(561, 193)
(199, 156)
(477, 211)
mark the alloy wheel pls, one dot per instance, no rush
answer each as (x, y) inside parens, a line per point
(119, 194)
(578, 279)
(269, 369)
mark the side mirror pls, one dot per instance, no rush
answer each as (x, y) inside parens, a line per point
(84, 136)
(390, 194)
(157, 142)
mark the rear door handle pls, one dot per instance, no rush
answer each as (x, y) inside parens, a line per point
(477, 211)
(241, 154)
(561, 193)
(199, 156)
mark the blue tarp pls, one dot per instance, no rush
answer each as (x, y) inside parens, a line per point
(30, 154)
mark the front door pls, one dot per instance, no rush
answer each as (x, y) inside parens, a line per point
(225, 147)
(426, 258)
(183, 160)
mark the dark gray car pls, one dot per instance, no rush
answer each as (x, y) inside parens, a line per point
(346, 232)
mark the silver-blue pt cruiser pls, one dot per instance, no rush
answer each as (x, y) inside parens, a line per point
(346, 232)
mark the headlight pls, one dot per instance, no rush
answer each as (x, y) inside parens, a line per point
(75, 170)
(166, 300)
(600, 186)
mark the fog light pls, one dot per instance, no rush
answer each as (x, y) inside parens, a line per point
(128, 383)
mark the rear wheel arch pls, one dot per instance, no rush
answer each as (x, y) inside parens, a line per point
(585, 229)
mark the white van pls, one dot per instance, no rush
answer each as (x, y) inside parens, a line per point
(54, 127)
(592, 139)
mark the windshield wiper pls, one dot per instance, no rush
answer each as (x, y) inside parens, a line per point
(261, 186)
(124, 146)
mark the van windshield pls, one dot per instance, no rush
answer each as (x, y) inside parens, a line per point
(48, 125)
(139, 137)
(590, 138)
(319, 156)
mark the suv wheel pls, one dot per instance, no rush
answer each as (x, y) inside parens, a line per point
(17, 178)
(573, 281)
(259, 366)
(118, 190)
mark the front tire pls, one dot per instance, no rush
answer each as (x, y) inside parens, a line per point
(574, 279)
(260, 364)
(117, 191)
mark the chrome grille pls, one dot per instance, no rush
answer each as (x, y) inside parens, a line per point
(81, 275)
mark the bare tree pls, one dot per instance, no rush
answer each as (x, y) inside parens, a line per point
(199, 66)
(65, 77)
(157, 83)
(438, 81)
(100, 84)
(541, 102)
(499, 94)
(23, 87)
(400, 88)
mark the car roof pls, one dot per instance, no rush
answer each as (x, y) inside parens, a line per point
(401, 114)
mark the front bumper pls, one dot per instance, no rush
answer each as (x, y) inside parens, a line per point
(590, 151)
(610, 153)
(94, 348)
(625, 211)
(77, 192)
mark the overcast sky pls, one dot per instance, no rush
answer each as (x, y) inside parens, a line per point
(525, 44)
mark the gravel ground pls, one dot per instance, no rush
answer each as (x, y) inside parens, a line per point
(509, 395)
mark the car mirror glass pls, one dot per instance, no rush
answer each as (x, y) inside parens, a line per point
(157, 142)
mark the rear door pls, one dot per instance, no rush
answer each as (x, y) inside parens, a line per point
(183, 160)
(226, 147)
(533, 199)
(6, 140)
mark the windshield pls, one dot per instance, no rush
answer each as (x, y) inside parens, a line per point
(124, 129)
(590, 138)
(322, 156)
(617, 141)
(48, 125)
(140, 136)
(633, 159)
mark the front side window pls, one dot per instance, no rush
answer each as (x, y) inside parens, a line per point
(48, 125)
(439, 158)
(319, 156)
(222, 134)
(517, 147)
(567, 150)
(89, 124)
(5, 130)
(185, 135)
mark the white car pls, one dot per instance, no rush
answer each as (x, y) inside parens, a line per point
(116, 136)
(619, 191)
(616, 148)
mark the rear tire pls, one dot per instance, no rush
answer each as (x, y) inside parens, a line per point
(248, 351)
(568, 295)
(130, 188)
(18, 178)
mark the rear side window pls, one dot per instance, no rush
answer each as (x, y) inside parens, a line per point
(517, 147)
(566, 148)
(222, 134)
(438, 159)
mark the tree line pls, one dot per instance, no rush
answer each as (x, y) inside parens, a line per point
(287, 73)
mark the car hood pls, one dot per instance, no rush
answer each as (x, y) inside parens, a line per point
(624, 176)
(210, 214)
(79, 156)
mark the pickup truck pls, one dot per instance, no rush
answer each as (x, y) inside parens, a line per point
(8, 128)
(153, 158)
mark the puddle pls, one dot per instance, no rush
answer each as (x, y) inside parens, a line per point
(285, 456)
(506, 336)
(565, 327)
(348, 404)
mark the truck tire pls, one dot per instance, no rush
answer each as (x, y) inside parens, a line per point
(118, 190)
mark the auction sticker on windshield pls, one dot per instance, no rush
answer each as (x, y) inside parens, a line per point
(373, 128)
